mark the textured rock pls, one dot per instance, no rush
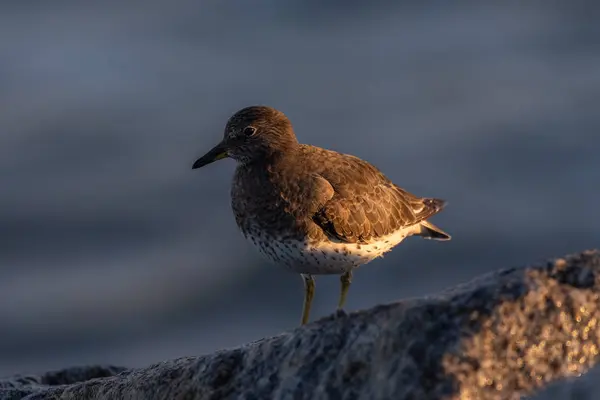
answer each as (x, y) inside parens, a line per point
(584, 388)
(501, 336)
(20, 386)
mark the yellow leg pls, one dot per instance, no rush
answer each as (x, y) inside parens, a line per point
(309, 293)
(345, 280)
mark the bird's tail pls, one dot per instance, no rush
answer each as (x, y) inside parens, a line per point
(430, 231)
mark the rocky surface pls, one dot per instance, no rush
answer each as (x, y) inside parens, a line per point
(516, 332)
(583, 388)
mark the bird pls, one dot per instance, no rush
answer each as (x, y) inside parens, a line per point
(312, 210)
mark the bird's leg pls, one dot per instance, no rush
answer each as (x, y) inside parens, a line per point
(345, 280)
(309, 292)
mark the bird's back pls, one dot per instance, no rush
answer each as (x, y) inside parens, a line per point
(366, 204)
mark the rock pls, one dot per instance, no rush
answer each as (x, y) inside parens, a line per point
(584, 388)
(20, 386)
(502, 336)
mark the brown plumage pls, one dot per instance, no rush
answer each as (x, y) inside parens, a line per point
(316, 211)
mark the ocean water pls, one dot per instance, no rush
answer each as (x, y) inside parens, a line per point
(112, 250)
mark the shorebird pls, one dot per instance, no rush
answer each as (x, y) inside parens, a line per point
(312, 210)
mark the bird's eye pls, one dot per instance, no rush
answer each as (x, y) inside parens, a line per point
(249, 130)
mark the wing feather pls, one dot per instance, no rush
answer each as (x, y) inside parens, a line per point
(365, 204)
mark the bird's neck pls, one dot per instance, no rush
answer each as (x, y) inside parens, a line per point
(276, 155)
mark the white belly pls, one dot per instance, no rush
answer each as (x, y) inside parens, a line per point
(325, 257)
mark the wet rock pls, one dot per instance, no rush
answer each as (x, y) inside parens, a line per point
(501, 336)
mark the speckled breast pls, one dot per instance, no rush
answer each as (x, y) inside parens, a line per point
(321, 258)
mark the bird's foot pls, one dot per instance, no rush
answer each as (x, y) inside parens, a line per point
(340, 313)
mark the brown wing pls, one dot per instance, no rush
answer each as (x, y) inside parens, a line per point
(366, 204)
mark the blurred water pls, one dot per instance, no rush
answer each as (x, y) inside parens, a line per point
(113, 250)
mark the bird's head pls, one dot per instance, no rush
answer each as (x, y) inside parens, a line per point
(253, 134)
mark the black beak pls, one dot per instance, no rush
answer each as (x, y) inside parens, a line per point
(218, 152)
